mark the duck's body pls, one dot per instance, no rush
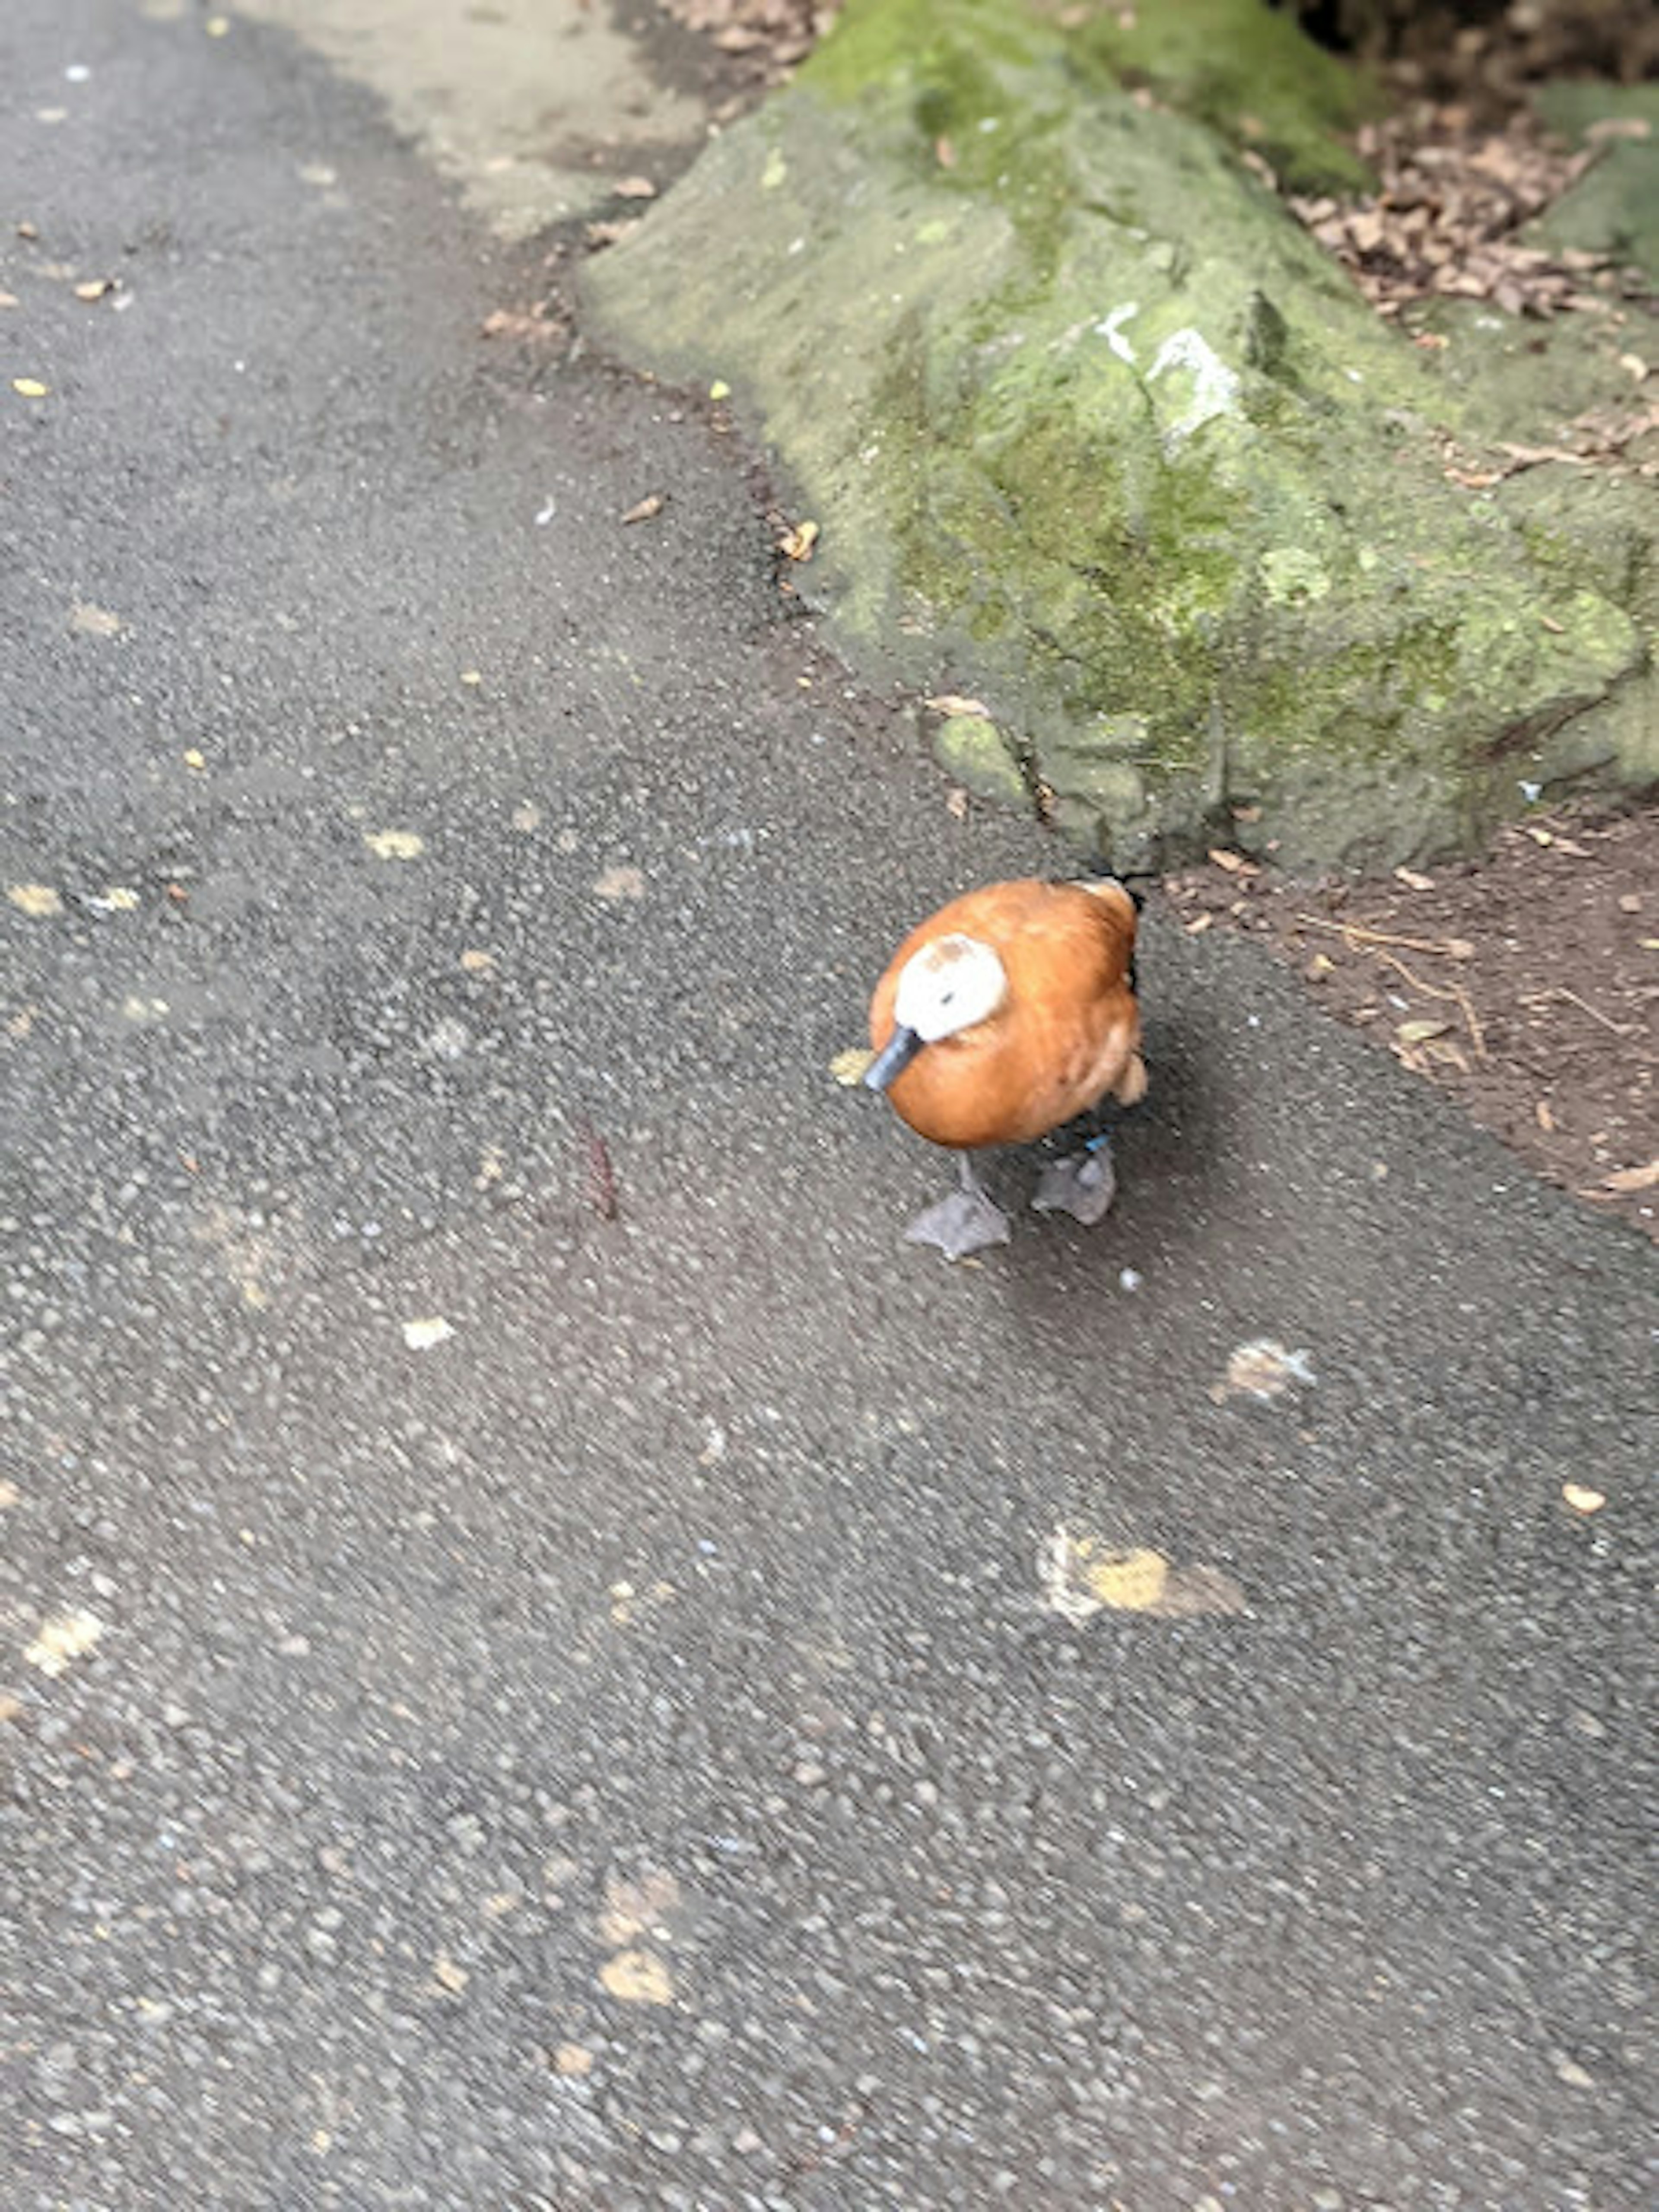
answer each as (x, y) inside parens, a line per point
(1006, 1015)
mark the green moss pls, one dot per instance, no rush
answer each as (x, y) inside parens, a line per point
(1249, 72)
(1093, 426)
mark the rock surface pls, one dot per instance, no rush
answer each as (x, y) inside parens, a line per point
(1095, 432)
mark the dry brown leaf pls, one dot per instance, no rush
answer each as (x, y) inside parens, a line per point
(635, 188)
(1629, 1179)
(797, 543)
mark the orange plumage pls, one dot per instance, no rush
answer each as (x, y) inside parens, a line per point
(1067, 1034)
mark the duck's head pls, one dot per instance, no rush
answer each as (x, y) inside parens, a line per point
(952, 984)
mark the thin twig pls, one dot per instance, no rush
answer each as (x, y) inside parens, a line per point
(1453, 991)
(1361, 933)
(1560, 991)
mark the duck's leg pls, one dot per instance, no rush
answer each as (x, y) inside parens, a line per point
(966, 1222)
(1083, 1184)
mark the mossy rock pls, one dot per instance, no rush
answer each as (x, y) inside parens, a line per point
(1098, 434)
(1613, 209)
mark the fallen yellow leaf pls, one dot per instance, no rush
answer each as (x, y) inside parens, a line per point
(30, 387)
(1082, 1577)
(394, 844)
(719, 389)
(1583, 1499)
(1128, 1581)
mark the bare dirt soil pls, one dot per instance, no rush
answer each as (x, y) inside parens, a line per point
(1524, 981)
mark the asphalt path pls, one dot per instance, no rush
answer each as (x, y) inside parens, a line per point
(536, 1667)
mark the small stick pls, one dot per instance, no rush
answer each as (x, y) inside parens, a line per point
(601, 1174)
(1560, 991)
(1454, 991)
(1361, 929)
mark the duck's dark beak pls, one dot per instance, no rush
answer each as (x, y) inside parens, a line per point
(891, 1062)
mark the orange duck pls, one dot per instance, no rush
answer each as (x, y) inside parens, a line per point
(1008, 1013)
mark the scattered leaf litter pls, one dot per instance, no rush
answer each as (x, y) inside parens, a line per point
(62, 1639)
(1082, 1575)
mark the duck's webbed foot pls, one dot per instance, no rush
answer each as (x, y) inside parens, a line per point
(1084, 1184)
(966, 1222)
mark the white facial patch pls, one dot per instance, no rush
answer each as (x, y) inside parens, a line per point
(949, 985)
